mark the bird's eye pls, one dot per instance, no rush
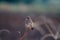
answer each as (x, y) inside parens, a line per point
(27, 17)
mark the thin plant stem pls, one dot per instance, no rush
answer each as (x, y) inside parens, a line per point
(49, 29)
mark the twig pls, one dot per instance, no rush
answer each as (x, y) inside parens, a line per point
(49, 29)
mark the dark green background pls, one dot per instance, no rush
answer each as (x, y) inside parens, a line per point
(24, 1)
(17, 1)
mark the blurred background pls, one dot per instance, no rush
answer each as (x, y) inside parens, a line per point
(13, 13)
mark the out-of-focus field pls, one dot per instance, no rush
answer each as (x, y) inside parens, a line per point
(36, 5)
(14, 23)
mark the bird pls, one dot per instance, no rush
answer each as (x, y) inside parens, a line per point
(29, 23)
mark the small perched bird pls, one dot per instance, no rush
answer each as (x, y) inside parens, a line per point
(29, 23)
(28, 26)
